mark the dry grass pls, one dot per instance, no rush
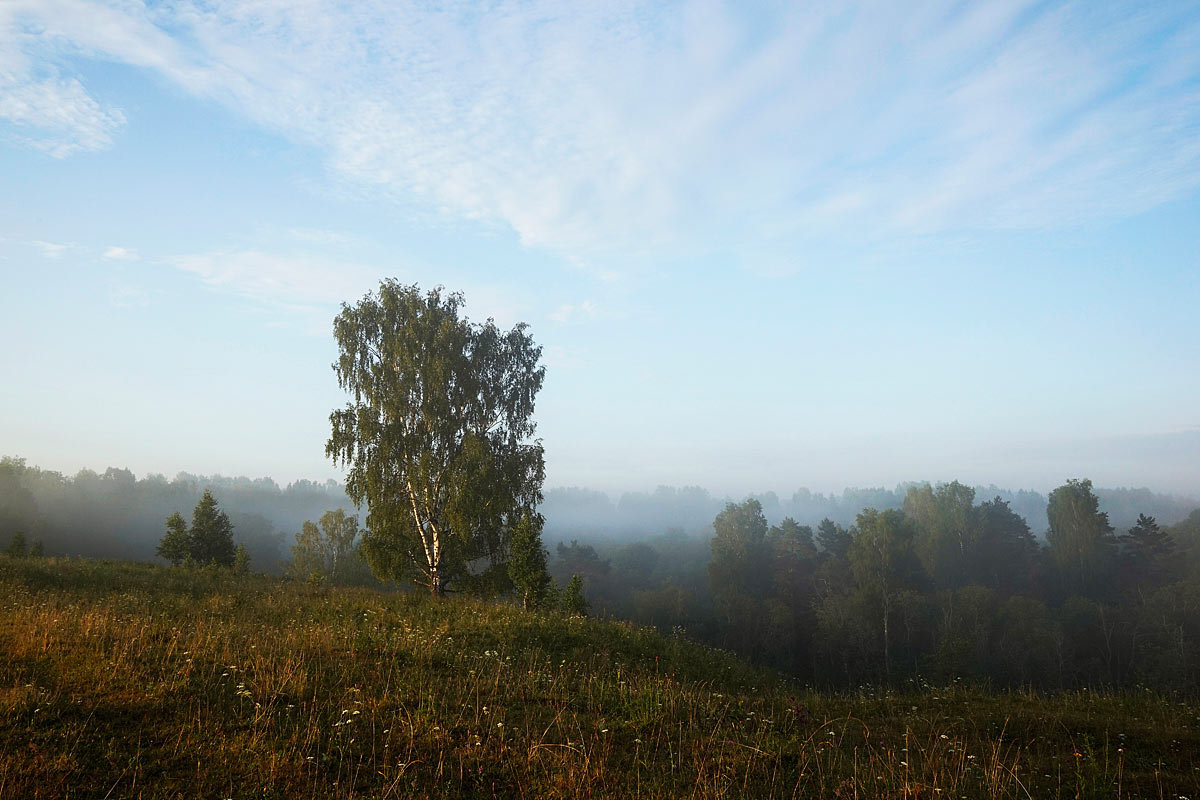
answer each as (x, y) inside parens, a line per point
(121, 680)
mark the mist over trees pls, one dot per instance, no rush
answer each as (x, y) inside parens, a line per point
(946, 586)
(573, 512)
(943, 581)
(114, 514)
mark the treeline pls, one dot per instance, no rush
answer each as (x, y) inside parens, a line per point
(942, 587)
(116, 515)
(575, 512)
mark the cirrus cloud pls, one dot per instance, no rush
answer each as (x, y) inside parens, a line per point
(631, 126)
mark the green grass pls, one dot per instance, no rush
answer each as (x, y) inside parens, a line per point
(122, 680)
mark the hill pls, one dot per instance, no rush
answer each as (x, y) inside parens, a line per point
(124, 680)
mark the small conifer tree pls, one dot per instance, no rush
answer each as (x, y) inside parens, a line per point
(574, 602)
(527, 563)
(241, 560)
(212, 533)
(16, 545)
(208, 541)
(175, 545)
(37, 551)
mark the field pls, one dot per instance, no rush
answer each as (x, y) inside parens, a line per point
(121, 680)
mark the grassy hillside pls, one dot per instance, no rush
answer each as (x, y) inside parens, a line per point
(120, 680)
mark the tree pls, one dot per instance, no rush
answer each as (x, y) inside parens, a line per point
(341, 550)
(527, 563)
(211, 536)
(790, 538)
(437, 437)
(883, 565)
(739, 548)
(1148, 553)
(1006, 547)
(833, 539)
(1080, 538)
(176, 543)
(241, 560)
(574, 603)
(308, 553)
(739, 574)
(945, 536)
(16, 545)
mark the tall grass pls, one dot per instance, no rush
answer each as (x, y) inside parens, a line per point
(120, 680)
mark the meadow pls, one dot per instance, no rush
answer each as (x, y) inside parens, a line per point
(121, 680)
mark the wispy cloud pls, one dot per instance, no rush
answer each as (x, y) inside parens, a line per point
(628, 126)
(311, 285)
(568, 311)
(281, 279)
(55, 116)
(52, 249)
(115, 253)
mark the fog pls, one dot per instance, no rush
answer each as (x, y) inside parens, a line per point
(113, 513)
(576, 512)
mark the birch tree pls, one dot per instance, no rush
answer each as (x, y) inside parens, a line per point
(438, 434)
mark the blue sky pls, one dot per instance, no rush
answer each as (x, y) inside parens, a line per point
(764, 246)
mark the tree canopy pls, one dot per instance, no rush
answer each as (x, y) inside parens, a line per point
(438, 435)
(208, 541)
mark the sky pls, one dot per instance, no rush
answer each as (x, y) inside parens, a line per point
(763, 245)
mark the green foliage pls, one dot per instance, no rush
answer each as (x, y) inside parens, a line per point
(37, 550)
(739, 574)
(1006, 549)
(1148, 555)
(582, 559)
(945, 536)
(883, 564)
(790, 539)
(208, 541)
(833, 539)
(1080, 538)
(241, 560)
(16, 546)
(437, 436)
(176, 544)
(308, 553)
(18, 507)
(211, 534)
(330, 550)
(573, 601)
(340, 531)
(527, 563)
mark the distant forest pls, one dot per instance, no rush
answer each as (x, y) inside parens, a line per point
(114, 514)
(1081, 587)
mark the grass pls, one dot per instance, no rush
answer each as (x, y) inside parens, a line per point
(121, 680)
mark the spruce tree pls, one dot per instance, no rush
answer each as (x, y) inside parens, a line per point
(241, 560)
(176, 542)
(527, 562)
(574, 602)
(16, 545)
(1149, 553)
(211, 533)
